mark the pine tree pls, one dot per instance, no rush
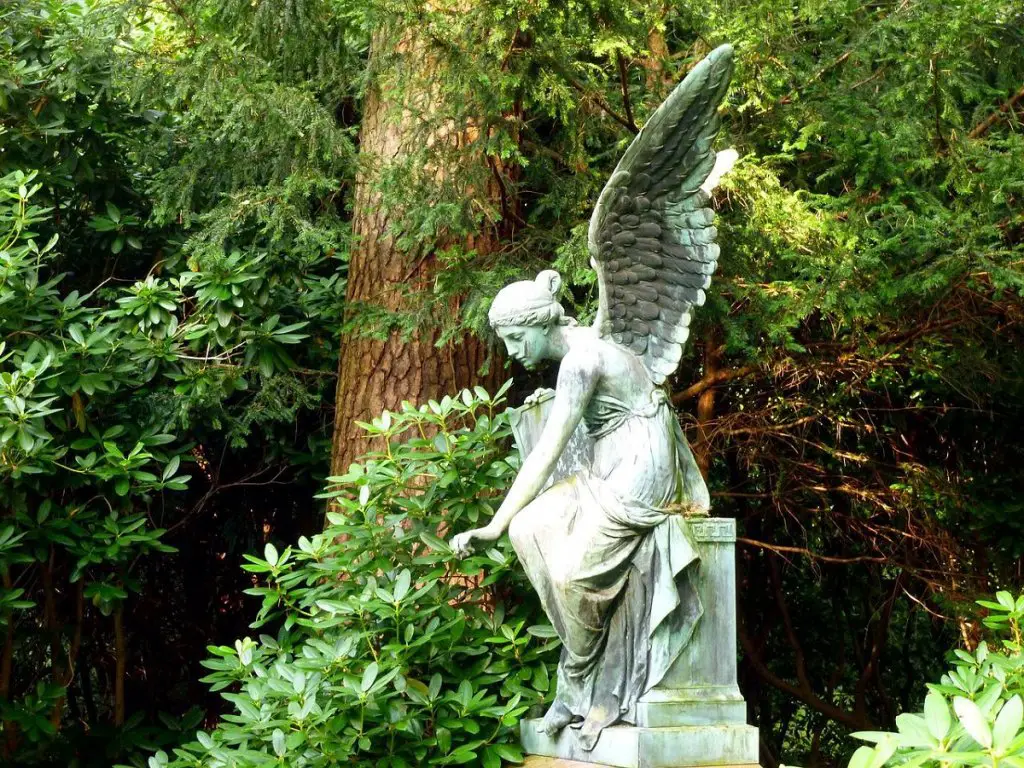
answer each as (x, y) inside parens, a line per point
(403, 113)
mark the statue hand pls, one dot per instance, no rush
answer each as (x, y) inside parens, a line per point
(537, 395)
(465, 543)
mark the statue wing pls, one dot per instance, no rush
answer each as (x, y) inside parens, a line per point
(651, 237)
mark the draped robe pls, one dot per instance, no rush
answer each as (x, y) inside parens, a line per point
(611, 563)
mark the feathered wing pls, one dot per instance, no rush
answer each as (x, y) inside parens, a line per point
(651, 237)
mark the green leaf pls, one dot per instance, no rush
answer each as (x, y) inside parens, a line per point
(172, 467)
(542, 630)
(509, 752)
(402, 584)
(277, 739)
(491, 759)
(541, 679)
(270, 554)
(991, 606)
(434, 542)
(883, 751)
(330, 606)
(1007, 724)
(444, 740)
(937, 715)
(26, 442)
(369, 676)
(914, 731)
(973, 721)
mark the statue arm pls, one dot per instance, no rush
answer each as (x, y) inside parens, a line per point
(577, 377)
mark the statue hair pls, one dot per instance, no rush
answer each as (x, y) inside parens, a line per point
(530, 303)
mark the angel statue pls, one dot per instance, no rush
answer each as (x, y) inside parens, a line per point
(602, 547)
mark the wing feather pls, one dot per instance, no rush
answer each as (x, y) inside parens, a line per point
(652, 238)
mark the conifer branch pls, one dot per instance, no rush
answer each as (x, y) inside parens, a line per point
(983, 127)
(624, 83)
(604, 105)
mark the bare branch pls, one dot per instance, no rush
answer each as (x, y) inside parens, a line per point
(982, 128)
(780, 548)
(718, 377)
(624, 83)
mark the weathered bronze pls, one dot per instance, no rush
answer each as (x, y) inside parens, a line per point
(601, 545)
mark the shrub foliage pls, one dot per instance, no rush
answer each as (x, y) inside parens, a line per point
(381, 649)
(853, 387)
(974, 714)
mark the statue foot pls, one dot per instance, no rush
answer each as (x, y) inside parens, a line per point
(589, 733)
(600, 716)
(555, 719)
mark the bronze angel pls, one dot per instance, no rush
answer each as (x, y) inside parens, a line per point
(601, 546)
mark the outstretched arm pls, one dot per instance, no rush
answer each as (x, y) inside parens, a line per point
(577, 377)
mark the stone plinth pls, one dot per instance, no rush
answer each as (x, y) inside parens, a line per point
(696, 715)
(700, 687)
(535, 761)
(625, 746)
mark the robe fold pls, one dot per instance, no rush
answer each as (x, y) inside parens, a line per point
(611, 564)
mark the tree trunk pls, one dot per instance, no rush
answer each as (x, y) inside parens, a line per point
(706, 401)
(375, 374)
(120, 664)
(10, 728)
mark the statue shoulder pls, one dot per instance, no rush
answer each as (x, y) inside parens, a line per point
(594, 354)
(584, 356)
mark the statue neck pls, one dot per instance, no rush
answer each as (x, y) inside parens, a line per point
(561, 338)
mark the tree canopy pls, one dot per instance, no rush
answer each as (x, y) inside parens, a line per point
(178, 182)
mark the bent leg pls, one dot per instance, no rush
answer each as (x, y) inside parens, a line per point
(539, 534)
(577, 558)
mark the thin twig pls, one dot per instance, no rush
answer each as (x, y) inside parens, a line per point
(982, 128)
(624, 83)
(808, 553)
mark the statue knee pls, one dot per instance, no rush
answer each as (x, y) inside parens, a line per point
(562, 578)
(519, 529)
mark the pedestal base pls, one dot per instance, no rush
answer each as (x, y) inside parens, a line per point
(626, 746)
(695, 716)
(704, 705)
(536, 761)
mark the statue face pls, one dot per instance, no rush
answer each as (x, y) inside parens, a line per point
(527, 344)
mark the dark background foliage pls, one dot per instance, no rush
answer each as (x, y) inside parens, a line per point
(853, 391)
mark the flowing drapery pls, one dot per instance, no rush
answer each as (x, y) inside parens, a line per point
(611, 564)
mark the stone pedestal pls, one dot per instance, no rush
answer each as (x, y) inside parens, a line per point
(536, 761)
(696, 715)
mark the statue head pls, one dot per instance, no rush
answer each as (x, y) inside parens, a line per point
(524, 313)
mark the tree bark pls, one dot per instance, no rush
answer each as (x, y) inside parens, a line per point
(706, 401)
(375, 374)
(10, 728)
(657, 80)
(120, 664)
